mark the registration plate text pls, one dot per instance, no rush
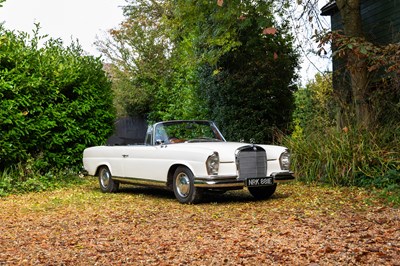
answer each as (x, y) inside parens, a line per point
(257, 182)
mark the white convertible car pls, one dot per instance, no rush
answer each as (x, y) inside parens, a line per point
(190, 157)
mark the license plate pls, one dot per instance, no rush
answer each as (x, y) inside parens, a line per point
(258, 182)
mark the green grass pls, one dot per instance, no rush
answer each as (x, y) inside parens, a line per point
(22, 179)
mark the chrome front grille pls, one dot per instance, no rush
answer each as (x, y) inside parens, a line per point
(251, 161)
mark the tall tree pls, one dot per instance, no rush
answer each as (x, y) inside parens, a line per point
(167, 54)
(362, 58)
(249, 89)
(151, 64)
(351, 18)
(138, 51)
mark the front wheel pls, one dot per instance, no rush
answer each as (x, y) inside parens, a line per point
(107, 184)
(262, 192)
(183, 184)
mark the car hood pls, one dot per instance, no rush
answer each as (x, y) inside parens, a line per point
(226, 150)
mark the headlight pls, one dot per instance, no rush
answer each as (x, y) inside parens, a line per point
(284, 160)
(212, 164)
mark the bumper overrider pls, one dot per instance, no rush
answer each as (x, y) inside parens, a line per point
(218, 181)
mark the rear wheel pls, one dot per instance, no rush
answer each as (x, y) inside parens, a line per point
(107, 184)
(183, 184)
(262, 192)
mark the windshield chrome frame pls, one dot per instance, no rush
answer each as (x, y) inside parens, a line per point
(156, 142)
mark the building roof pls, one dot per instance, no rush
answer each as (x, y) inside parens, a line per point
(329, 9)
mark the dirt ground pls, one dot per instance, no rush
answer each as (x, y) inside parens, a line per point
(299, 225)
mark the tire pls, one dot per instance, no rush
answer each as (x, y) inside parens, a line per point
(261, 193)
(107, 184)
(183, 185)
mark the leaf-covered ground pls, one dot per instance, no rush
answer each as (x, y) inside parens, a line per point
(301, 225)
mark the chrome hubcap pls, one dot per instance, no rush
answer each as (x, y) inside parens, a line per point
(104, 178)
(183, 185)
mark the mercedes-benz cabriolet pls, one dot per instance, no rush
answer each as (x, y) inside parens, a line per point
(190, 157)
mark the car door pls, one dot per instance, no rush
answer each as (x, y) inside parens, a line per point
(146, 162)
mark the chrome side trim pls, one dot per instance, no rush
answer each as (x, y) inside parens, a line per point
(140, 181)
(213, 181)
(217, 177)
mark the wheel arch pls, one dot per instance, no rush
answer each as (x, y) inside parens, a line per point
(96, 173)
(171, 173)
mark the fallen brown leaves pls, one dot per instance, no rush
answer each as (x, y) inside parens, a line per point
(298, 225)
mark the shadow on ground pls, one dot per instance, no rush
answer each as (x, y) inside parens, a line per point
(232, 196)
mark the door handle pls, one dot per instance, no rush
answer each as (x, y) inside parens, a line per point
(125, 155)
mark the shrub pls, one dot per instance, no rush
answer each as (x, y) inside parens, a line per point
(324, 153)
(22, 178)
(55, 101)
(347, 157)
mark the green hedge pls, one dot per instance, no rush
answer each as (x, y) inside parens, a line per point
(55, 101)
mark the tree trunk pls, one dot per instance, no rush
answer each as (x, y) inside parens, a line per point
(351, 18)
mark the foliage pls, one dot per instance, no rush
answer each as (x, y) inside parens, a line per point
(55, 101)
(166, 52)
(347, 156)
(177, 99)
(152, 75)
(138, 52)
(248, 87)
(384, 57)
(368, 64)
(314, 105)
(361, 63)
(382, 61)
(23, 178)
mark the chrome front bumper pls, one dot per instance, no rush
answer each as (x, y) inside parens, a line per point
(218, 182)
(281, 177)
(232, 182)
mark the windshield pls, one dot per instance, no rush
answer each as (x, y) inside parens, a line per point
(186, 131)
